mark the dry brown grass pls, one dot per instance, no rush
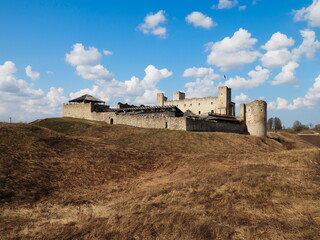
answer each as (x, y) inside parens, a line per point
(117, 182)
(314, 139)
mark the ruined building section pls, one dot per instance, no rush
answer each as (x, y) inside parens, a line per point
(161, 99)
(210, 114)
(159, 111)
(178, 96)
(225, 105)
(87, 107)
(221, 105)
(81, 106)
(126, 105)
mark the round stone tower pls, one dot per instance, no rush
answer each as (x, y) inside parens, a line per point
(256, 118)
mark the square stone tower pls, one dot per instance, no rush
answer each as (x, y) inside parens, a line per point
(178, 96)
(161, 99)
(224, 100)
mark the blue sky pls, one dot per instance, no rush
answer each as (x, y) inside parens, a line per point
(51, 51)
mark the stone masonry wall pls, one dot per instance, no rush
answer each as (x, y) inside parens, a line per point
(173, 123)
(208, 126)
(197, 105)
(84, 111)
(256, 118)
(81, 110)
(201, 106)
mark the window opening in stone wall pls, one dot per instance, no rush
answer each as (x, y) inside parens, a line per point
(190, 104)
(111, 121)
(212, 111)
(261, 110)
(199, 104)
(185, 105)
(166, 125)
(211, 103)
(199, 112)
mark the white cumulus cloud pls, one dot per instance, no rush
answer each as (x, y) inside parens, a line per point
(310, 100)
(226, 4)
(49, 104)
(276, 58)
(308, 46)
(277, 54)
(97, 72)
(10, 84)
(287, 75)
(107, 52)
(199, 19)
(233, 52)
(153, 76)
(86, 63)
(278, 41)
(310, 14)
(200, 88)
(80, 56)
(133, 90)
(22, 101)
(107, 87)
(201, 72)
(31, 74)
(151, 24)
(203, 86)
(256, 78)
(241, 98)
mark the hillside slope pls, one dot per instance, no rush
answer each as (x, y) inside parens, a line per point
(77, 179)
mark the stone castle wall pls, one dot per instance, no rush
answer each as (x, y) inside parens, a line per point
(80, 110)
(220, 126)
(172, 123)
(84, 111)
(252, 119)
(201, 106)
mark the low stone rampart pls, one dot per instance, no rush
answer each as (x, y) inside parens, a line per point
(173, 123)
(215, 126)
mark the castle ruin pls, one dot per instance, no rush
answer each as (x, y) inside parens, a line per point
(210, 114)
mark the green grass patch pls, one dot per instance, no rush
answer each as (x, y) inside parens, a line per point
(64, 125)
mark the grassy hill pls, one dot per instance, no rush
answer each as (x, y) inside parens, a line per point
(67, 178)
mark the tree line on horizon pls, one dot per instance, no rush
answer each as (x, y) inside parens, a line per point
(275, 124)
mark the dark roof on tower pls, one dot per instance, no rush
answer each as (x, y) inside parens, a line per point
(87, 98)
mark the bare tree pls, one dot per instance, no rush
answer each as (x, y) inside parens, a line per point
(270, 123)
(277, 124)
(298, 126)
